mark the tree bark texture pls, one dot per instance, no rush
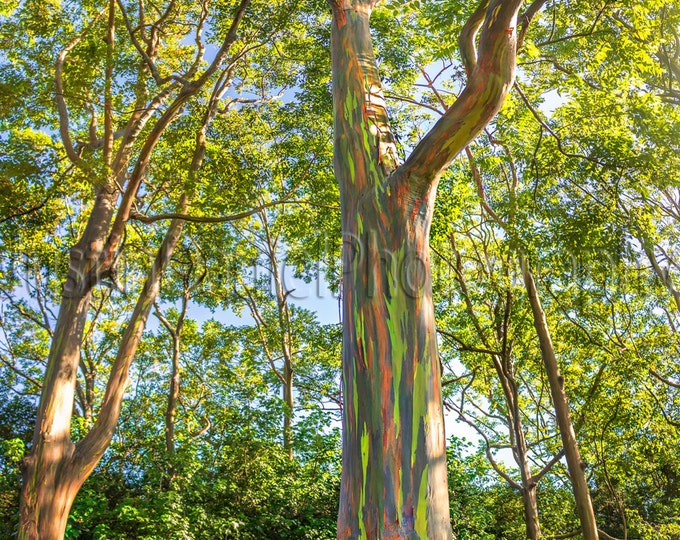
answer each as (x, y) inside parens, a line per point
(45, 497)
(394, 470)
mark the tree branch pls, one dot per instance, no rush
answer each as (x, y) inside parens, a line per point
(658, 376)
(527, 16)
(489, 81)
(108, 85)
(464, 347)
(94, 444)
(224, 219)
(62, 109)
(168, 116)
(489, 455)
(466, 39)
(548, 466)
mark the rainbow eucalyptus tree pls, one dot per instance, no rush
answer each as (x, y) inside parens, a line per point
(394, 471)
(56, 467)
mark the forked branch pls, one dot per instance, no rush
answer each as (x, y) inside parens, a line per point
(466, 40)
(491, 73)
(62, 109)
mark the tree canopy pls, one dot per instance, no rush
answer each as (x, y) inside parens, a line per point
(179, 181)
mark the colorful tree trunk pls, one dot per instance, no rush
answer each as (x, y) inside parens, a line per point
(394, 469)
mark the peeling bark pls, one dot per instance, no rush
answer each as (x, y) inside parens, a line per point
(394, 470)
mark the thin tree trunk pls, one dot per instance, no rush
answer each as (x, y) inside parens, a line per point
(584, 505)
(527, 488)
(173, 396)
(533, 525)
(288, 372)
(533, 529)
(56, 468)
(288, 412)
(175, 332)
(504, 367)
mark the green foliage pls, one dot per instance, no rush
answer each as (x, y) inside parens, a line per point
(580, 169)
(245, 490)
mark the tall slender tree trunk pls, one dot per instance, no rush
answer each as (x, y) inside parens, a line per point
(527, 488)
(173, 396)
(584, 505)
(520, 449)
(287, 373)
(175, 332)
(56, 468)
(529, 500)
(288, 402)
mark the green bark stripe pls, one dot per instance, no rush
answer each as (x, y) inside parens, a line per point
(421, 507)
(399, 349)
(364, 469)
(419, 405)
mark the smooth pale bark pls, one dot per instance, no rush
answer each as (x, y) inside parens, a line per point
(286, 375)
(576, 467)
(173, 392)
(56, 468)
(394, 460)
(288, 401)
(529, 485)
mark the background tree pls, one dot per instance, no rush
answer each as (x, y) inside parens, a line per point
(579, 167)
